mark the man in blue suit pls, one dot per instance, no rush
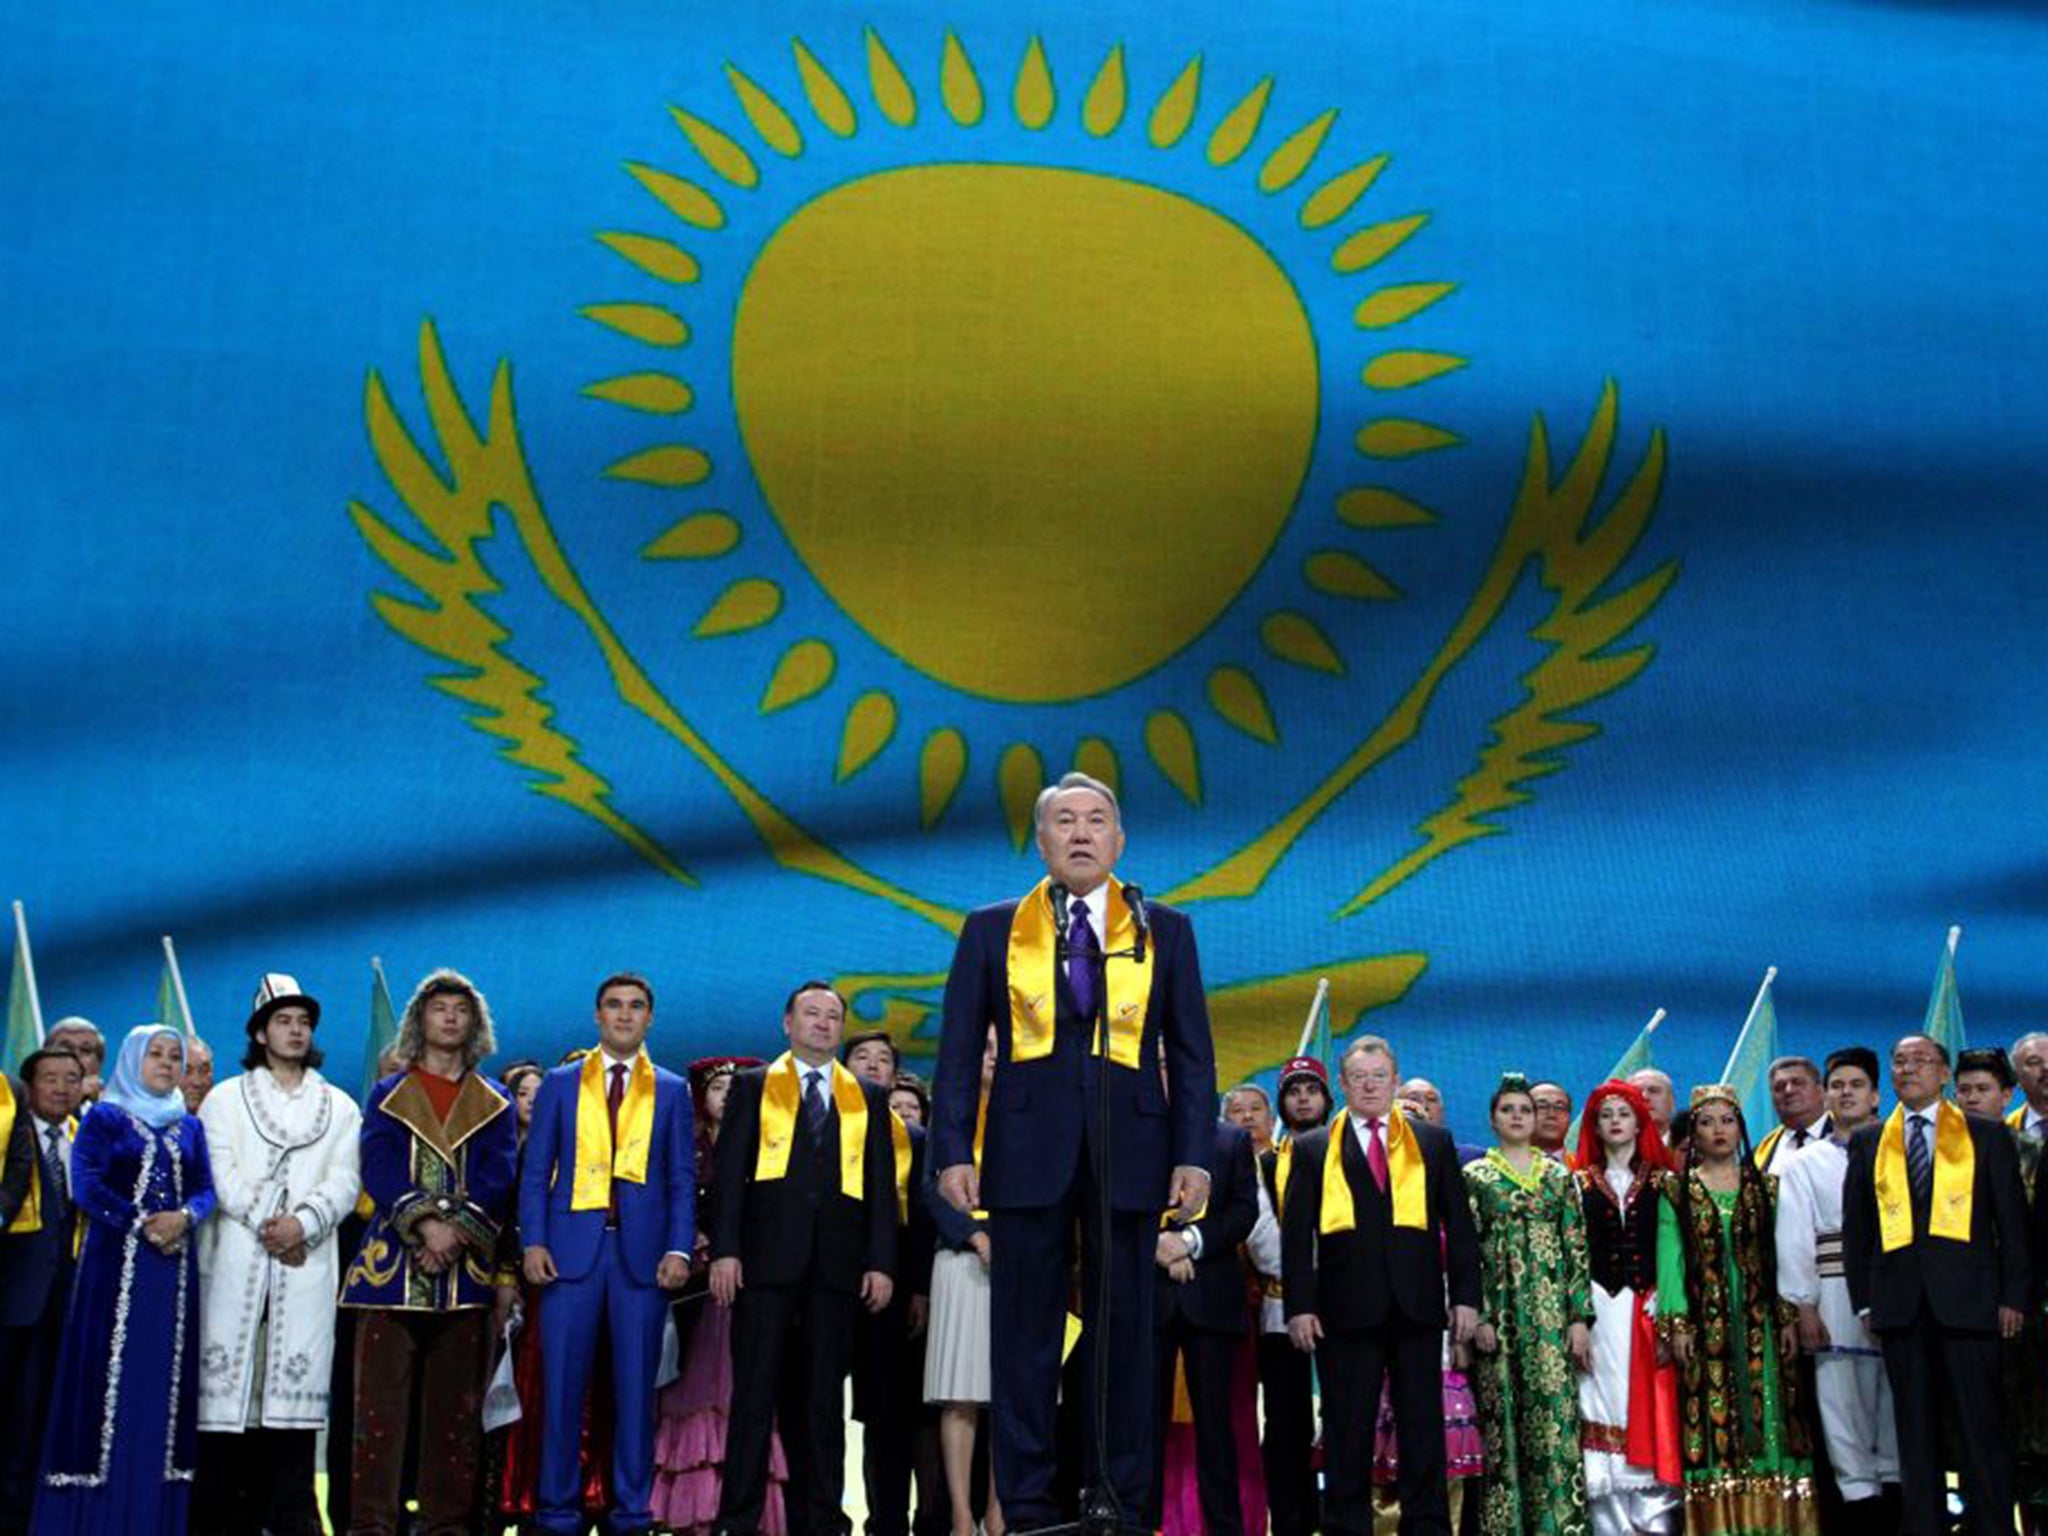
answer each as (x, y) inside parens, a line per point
(1042, 971)
(607, 1213)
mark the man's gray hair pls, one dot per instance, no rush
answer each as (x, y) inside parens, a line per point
(1368, 1045)
(2030, 1035)
(1075, 780)
(75, 1021)
(1802, 1063)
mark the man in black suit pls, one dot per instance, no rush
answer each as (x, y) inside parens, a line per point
(1286, 1375)
(1368, 1252)
(1939, 1302)
(804, 1234)
(1199, 1315)
(36, 1265)
(1041, 971)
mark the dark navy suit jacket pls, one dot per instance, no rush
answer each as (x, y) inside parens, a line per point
(34, 1266)
(1215, 1299)
(655, 1218)
(1041, 1113)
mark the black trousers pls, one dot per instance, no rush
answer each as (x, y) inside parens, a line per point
(1930, 1365)
(886, 1400)
(28, 1372)
(1210, 1356)
(1354, 1363)
(1287, 1387)
(258, 1481)
(1029, 1280)
(792, 1347)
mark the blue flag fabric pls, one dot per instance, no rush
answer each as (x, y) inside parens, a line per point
(1500, 491)
(1748, 1070)
(1944, 1022)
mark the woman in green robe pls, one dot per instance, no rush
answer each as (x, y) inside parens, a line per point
(1718, 1310)
(1536, 1312)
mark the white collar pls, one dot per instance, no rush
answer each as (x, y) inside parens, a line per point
(612, 1061)
(44, 1127)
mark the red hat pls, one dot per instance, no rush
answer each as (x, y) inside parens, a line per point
(1309, 1066)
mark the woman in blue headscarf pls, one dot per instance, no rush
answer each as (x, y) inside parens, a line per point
(123, 1427)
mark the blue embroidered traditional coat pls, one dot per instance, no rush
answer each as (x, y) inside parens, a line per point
(415, 1165)
(123, 1430)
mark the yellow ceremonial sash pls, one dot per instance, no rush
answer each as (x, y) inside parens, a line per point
(1955, 1178)
(30, 1217)
(1405, 1177)
(1283, 1169)
(2017, 1119)
(598, 1162)
(1033, 986)
(899, 1135)
(980, 1136)
(779, 1098)
(1763, 1150)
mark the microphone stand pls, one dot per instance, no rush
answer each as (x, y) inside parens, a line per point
(1101, 1514)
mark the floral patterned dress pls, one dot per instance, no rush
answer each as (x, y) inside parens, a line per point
(1533, 1287)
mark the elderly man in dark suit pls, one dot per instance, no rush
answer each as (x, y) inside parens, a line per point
(1080, 948)
(1934, 1242)
(1376, 1235)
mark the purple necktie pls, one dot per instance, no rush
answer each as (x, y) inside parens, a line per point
(1081, 952)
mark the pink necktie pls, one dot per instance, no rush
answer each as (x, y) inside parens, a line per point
(1376, 1155)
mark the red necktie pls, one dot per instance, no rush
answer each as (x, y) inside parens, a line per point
(1376, 1155)
(612, 1101)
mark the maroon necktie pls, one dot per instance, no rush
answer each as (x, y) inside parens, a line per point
(612, 1101)
(1376, 1155)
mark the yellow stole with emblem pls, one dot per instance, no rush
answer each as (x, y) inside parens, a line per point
(899, 1137)
(1406, 1178)
(1955, 1178)
(1283, 1169)
(30, 1217)
(598, 1162)
(780, 1098)
(1033, 964)
(2018, 1118)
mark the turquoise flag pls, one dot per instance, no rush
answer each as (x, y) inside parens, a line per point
(1944, 1023)
(1749, 1065)
(383, 1031)
(171, 1005)
(1634, 1059)
(24, 1010)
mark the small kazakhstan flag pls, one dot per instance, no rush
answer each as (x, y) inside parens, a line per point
(171, 1007)
(24, 1010)
(1944, 1024)
(1749, 1064)
(1632, 1060)
(383, 1027)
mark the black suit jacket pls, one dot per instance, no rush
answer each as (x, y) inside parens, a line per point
(779, 1229)
(18, 1157)
(34, 1266)
(1963, 1284)
(1377, 1273)
(1215, 1299)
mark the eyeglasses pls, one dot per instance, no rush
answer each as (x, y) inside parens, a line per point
(1915, 1059)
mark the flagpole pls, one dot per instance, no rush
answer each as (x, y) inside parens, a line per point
(1655, 1019)
(178, 986)
(1955, 935)
(1308, 1025)
(28, 969)
(1728, 1071)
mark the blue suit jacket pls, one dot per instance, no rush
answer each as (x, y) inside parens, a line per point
(1041, 1113)
(655, 1218)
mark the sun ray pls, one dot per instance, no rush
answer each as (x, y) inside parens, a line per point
(1176, 109)
(1334, 198)
(1402, 301)
(1397, 438)
(723, 153)
(700, 536)
(1019, 778)
(648, 323)
(1097, 758)
(1236, 695)
(805, 670)
(680, 196)
(1345, 575)
(940, 767)
(657, 258)
(1287, 164)
(1102, 111)
(670, 465)
(747, 604)
(1374, 506)
(959, 86)
(1404, 370)
(777, 128)
(1294, 637)
(658, 394)
(1234, 135)
(828, 100)
(1035, 97)
(898, 102)
(1375, 244)
(1172, 746)
(870, 723)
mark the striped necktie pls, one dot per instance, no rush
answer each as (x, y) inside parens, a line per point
(1919, 1160)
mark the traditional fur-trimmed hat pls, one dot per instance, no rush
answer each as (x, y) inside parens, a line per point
(277, 990)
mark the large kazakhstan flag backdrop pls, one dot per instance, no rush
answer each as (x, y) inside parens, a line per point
(1539, 511)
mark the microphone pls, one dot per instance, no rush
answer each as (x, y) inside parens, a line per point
(1059, 893)
(1140, 919)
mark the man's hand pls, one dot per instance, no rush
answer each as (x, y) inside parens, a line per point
(280, 1234)
(1188, 1193)
(979, 1243)
(1788, 1345)
(1171, 1249)
(875, 1290)
(1181, 1271)
(918, 1313)
(1813, 1332)
(1464, 1321)
(439, 1238)
(726, 1282)
(2010, 1321)
(293, 1258)
(1306, 1330)
(1484, 1339)
(960, 1187)
(673, 1273)
(1578, 1343)
(538, 1266)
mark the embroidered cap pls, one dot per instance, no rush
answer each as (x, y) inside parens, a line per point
(277, 990)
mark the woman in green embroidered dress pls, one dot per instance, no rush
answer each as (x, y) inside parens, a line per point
(1718, 1311)
(1536, 1312)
